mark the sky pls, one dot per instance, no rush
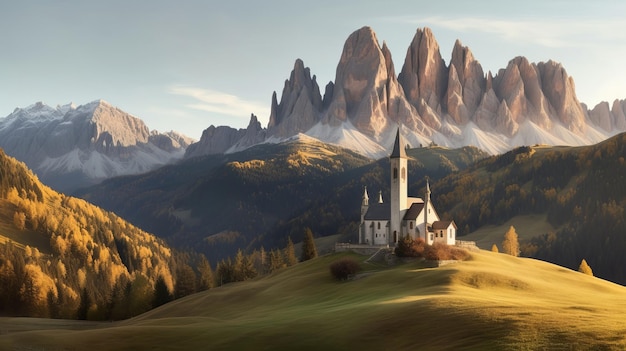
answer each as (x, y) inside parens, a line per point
(187, 64)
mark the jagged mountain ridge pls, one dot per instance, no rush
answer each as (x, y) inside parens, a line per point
(451, 105)
(72, 146)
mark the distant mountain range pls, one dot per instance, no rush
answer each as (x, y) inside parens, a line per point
(451, 105)
(73, 146)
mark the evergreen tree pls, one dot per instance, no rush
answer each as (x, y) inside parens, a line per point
(85, 303)
(185, 281)
(225, 272)
(207, 281)
(510, 245)
(309, 250)
(247, 268)
(290, 253)
(276, 261)
(162, 294)
(494, 248)
(584, 268)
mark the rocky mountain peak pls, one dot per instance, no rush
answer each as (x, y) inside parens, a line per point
(300, 104)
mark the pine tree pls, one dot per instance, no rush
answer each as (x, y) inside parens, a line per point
(162, 294)
(510, 245)
(584, 268)
(185, 281)
(290, 253)
(207, 281)
(309, 250)
(276, 261)
(85, 302)
(494, 248)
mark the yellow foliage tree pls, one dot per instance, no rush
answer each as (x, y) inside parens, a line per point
(510, 245)
(19, 219)
(584, 268)
(494, 248)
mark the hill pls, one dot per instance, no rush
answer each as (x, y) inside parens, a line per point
(58, 253)
(489, 302)
(259, 196)
(577, 193)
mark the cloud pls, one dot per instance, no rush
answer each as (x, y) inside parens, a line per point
(218, 102)
(547, 32)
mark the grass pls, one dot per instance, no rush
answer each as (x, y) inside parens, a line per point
(489, 302)
(526, 227)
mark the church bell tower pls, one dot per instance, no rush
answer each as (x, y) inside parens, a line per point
(399, 187)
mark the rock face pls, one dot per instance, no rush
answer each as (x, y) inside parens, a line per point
(71, 146)
(453, 105)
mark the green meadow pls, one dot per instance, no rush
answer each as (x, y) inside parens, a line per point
(489, 302)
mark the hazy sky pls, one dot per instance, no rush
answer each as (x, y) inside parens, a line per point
(186, 64)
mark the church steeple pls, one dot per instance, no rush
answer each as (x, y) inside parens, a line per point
(366, 198)
(398, 147)
(380, 197)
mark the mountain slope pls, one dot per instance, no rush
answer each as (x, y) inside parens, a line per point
(490, 302)
(453, 105)
(56, 248)
(259, 196)
(69, 146)
(580, 189)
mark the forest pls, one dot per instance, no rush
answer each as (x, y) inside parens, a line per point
(581, 189)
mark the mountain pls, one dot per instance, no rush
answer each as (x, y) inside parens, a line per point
(73, 146)
(259, 196)
(489, 302)
(58, 253)
(577, 191)
(453, 105)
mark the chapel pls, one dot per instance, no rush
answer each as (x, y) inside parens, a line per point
(385, 223)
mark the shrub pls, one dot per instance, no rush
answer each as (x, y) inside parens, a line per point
(343, 268)
(408, 247)
(440, 252)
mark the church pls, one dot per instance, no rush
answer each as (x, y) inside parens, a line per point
(385, 223)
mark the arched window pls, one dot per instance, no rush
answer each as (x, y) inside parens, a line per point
(411, 225)
(378, 225)
(403, 173)
(395, 173)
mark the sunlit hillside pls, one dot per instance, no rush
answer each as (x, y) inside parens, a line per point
(490, 302)
(63, 257)
(577, 193)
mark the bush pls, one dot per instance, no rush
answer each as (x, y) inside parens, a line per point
(440, 252)
(408, 247)
(343, 268)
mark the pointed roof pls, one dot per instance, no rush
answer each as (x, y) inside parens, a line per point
(398, 147)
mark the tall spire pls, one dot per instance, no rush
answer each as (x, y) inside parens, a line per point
(398, 147)
(380, 197)
(366, 197)
(427, 190)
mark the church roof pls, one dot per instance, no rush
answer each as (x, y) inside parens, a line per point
(398, 147)
(443, 224)
(414, 211)
(378, 212)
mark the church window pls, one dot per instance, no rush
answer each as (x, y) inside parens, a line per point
(403, 173)
(395, 173)
(431, 236)
(410, 225)
(378, 225)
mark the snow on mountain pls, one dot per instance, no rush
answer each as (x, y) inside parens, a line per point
(73, 146)
(451, 105)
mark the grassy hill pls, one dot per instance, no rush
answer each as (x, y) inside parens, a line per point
(490, 302)
(575, 198)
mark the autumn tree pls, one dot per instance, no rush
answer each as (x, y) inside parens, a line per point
(510, 245)
(85, 303)
(494, 248)
(276, 260)
(207, 281)
(290, 253)
(309, 250)
(19, 219)
(584, 268)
